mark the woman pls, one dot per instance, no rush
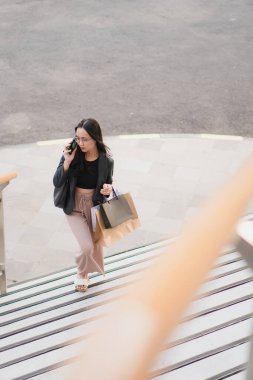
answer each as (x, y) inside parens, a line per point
(89, 170)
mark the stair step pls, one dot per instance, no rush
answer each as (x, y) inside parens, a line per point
(44, 323)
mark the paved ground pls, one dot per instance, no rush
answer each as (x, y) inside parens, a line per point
(145, 66)
(169, 177)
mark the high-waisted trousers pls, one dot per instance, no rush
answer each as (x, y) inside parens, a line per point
(90, 256)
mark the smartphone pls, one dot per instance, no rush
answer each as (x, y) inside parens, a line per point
(72, 146)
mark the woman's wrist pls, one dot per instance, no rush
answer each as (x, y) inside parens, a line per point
(66, 166)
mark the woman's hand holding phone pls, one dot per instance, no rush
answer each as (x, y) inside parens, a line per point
(69, 153)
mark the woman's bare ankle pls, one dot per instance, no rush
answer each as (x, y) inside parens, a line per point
(83, 276)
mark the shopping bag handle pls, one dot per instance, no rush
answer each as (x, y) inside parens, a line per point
(114, 193)
(114, 196)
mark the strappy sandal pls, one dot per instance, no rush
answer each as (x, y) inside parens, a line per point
(81, 284)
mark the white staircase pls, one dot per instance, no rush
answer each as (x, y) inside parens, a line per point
(44, 322)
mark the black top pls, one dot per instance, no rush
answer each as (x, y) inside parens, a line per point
(88, 179)
(105, 173)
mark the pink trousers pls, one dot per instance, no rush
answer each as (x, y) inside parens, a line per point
(90, 257)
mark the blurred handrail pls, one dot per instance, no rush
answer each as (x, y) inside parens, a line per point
(7, 177)
(4, 181)
(127, 340)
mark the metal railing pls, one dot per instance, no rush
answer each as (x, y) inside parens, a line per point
(4, 181)
(130, 336)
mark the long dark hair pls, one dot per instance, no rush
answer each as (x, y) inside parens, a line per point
(92, 127)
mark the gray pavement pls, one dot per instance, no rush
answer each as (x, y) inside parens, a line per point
(169, 176)
(138, 67)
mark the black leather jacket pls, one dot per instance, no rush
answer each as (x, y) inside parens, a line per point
(105, 173)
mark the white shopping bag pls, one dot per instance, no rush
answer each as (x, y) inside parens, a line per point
(93, 216)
